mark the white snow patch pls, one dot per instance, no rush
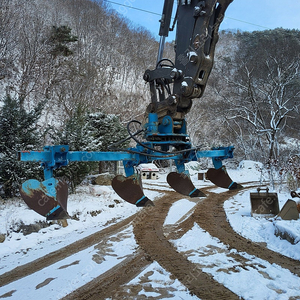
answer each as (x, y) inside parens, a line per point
(247, 276)
(260, 229)
(74, 271)
(178, 210)
(156, 277)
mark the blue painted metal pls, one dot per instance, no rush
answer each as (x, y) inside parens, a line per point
(53, 210)
(166, 125)
(41, 196)
(47, 186)
(54, 157)
(162, 135)
(98, 156)
(168, 132)
(152, 125)
(54, 162)
(180, 166)
(228, 153)
(195, 189)
(137, 202)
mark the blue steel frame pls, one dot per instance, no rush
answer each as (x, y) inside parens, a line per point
(53, 157)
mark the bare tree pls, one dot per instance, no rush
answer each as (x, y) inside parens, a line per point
(264, 91)
(9, 17)
(104, 72)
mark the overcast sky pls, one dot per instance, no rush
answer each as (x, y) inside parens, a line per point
(246, 15)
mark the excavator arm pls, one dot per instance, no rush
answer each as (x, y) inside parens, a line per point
(196, 37)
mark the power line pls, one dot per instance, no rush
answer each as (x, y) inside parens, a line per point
(136, 8)
(157, 14)
(247, 22)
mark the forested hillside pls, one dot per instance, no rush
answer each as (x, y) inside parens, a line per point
(61, 60)
(255, 85)
(73, 53)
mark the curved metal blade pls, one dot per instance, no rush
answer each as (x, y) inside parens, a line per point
(182, 184)
(47, 198)
(220, 178)
(130, 189)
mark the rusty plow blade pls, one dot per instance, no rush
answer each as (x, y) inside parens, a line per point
(182, 184)
(47, 198)
(220, 178)
(130, 189)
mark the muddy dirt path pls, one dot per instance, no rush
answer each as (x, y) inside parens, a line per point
(149, 234)
(153, 239)
(106, 284)
(110, 283)
(154, 246)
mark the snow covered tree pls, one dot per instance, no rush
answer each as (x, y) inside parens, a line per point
(103, 130)
(91, 131)
(18, 131)
(88, 132)
(262, 90)
(60, 38)
(72, 135)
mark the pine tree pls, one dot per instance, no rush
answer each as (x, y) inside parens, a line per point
(72, 135)
(60, 37)
(103, 130)
(18, 131)
(88, 132)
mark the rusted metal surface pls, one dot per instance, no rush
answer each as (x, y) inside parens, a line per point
(130, 189)
(182, 184)
(220, 178)
(47, 198)
(62, 194)
(264, 203)
(58, 214)
(289, 211)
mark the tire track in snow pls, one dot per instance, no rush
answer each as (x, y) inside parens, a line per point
(62, 253)
(149, 234)
(210, 216)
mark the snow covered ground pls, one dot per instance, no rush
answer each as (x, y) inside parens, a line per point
(98, 207)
